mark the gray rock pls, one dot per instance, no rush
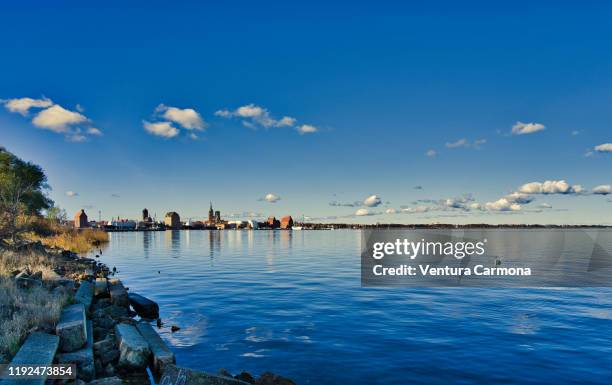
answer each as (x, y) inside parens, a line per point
(72, 328)
(174, 375)
(106, 350)
(83, 358)
(100, 287)
(144, 306)
(38, 349)
(85, 294)
(134, 350)
(118, 293)
(161, 353)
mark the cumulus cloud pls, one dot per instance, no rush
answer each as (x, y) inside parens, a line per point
(550, 187)
(164, 129)
(272, 198)
(307, 129)
(253, 116)
(416, 210)
(520, 198)
(603, 189)
(545, 206)
(345, 204)
(71, 194)
(502, 204)
(604, 147)
(22, 105)
(390, 211)
(187, 118)
(256, 115)
(431, 153)
(521, 128)
(53, 117)
(372, 201)
(363, 212)
(58, 119)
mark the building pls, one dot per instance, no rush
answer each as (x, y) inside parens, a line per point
(273, 223)
(218, 216)
(80, 220)
(252, 224)
(172, 220)
(211, 215)
(145, 216)
(286, 222)
(122, 224)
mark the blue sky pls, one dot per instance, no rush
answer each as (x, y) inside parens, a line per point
(376, 86)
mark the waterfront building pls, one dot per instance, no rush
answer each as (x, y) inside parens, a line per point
(273, 223)
(80, 220)
(251, 224)
(218, 216)
(211, 215)
(286, 222)
(122, 224)
(145, 215)
(172, 220)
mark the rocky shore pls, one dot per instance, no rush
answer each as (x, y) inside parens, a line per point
(108, 332)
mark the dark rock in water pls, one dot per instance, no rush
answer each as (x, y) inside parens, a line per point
(183, 376)
(174, 328)
(246, 377)
(273, 379)
(144, 306)
(159, 322)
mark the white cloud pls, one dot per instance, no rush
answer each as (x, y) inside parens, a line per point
(164, 129)
(521, 128)
(58, 119)
(94, 131)
(390, 211)
(431, 153)
(307, 129)
(550, 187)
(187, 118)
(362, 212)
(416, 210)
(545, 205)
(466, 143)
(605, 147)
(252, 116)
(372, 201)
(520, 198)
(72, 124)
(272, 198)
(23, 105)
(459, 143)
(71, 194)
(502, 204)
(603, 189)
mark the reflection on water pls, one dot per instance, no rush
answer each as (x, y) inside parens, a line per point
(291, 302)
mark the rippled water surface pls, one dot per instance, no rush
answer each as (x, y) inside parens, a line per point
(291, 303)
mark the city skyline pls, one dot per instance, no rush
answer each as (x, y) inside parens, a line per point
(472, 113)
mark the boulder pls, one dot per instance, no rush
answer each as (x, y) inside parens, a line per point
(106, 350)
(118, 293)
(174, 375)
(273, 379)
(85, 294)
(38, 349)
(161, 354)
(72, 328)
(144, 306)
(83, 358)
(134, 350)
(100, 287)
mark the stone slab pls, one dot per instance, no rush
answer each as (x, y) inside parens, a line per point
(83, 358)
(134, 352)
(160, 352)
(144, 307)
(175, 375)
(85, 294)
(72, 328)
(38, 349)
(118, 293)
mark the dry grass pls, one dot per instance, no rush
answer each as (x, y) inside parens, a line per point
(78, 241)
(22, 310)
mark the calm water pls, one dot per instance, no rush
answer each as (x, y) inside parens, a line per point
(291, 303)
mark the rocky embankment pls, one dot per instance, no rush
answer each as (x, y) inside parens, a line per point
(109, 333)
